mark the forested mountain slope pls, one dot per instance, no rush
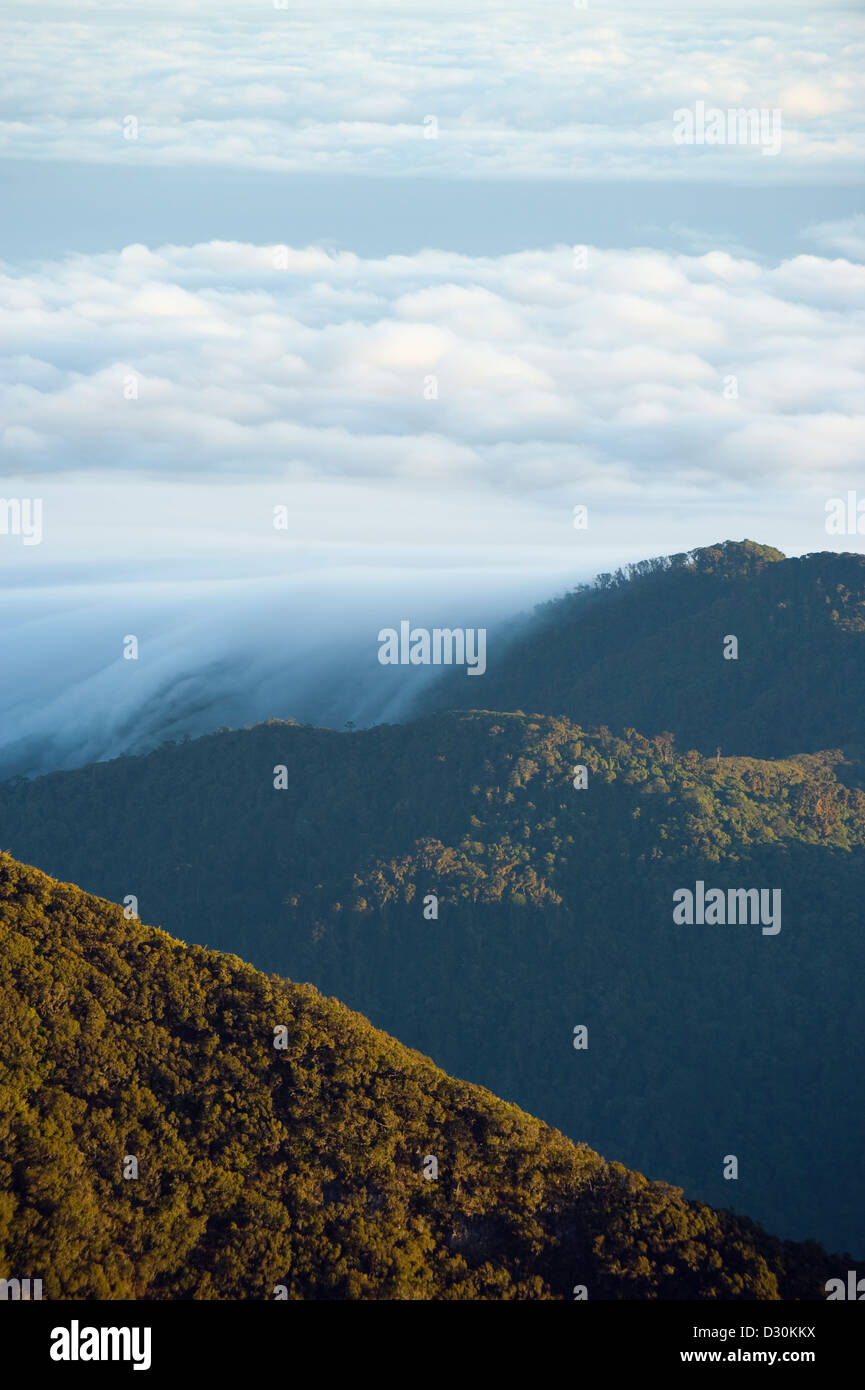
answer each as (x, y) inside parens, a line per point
(555, 911)
(645, 648)
(296, 1170)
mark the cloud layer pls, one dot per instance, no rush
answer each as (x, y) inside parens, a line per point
(547, 90)
(427, 422)
(523, 375)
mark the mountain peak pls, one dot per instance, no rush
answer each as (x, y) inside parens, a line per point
(652, 647)
(732, 557)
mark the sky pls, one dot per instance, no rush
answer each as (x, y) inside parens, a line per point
(422, 279)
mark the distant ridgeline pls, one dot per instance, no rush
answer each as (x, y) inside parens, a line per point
(645, 648)
(658, 952)
(177, 1125)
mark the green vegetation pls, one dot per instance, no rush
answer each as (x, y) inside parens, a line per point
(301, 1166)
(555, 909)
(643, 648)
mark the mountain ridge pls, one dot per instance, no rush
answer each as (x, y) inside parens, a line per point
(298, 1171)
(645, 648)
(554, 908)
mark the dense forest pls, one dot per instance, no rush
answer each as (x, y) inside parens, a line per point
(283, 1146)
(645, 648)
(555, 911)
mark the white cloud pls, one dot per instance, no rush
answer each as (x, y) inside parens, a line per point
(303, 388)
(846, 236)
(542, 90)
(519, 374)
(306, 385)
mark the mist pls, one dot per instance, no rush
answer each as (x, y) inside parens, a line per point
(226, 654)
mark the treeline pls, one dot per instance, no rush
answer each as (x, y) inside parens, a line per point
(644, 648)
(297, 1171)
(554, 909)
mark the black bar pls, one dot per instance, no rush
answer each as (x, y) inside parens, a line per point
(262, 1340)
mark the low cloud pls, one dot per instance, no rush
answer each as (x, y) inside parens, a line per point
(846, 236)
(516, 375)
(549, 90)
